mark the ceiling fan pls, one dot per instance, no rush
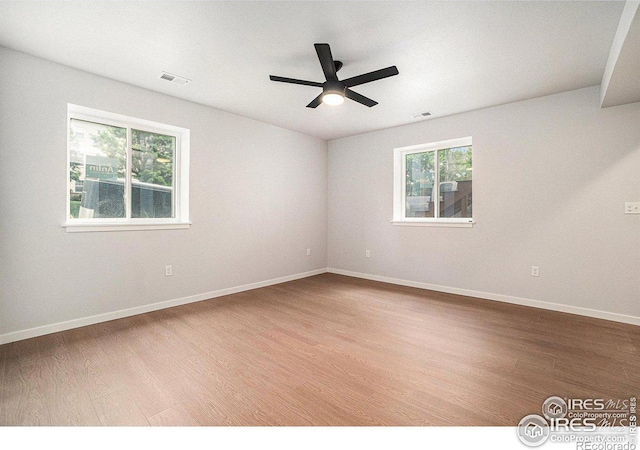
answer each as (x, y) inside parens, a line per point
(333, 90)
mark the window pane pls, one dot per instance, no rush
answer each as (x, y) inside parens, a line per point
(152, 162)
(420, 173)
(455, 182)
(97, 155)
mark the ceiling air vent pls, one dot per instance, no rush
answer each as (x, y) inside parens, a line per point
(174, 78)
(421, 115)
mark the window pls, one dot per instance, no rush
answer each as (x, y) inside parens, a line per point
(432, 184)
(125, 173)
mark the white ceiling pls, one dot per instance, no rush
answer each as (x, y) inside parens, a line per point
(621, 80)
(452, 56)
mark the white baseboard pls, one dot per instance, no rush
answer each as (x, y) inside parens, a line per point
(633, 320)
(84, 321)
(81, 322)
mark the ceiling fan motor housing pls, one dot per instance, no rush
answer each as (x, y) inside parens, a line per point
(333, 87)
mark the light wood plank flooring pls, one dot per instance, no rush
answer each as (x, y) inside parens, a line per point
(325, 350)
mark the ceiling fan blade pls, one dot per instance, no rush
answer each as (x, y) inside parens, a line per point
(359, 98)
(294, 81)
(326, 61)
(371, 76)
(315, 102)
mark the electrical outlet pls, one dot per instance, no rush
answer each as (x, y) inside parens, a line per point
(168, 271)
(632, 208)
(367, 254)
(535, 271)
(308, 252)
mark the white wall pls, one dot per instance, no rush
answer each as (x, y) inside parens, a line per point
(551, 176)
(258, 201)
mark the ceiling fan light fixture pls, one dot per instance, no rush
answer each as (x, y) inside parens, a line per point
(333, 98)
(335, 90)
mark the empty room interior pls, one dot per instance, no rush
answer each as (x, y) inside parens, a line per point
(318, 213)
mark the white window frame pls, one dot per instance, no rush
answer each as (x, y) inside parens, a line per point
(181, 175)
(399, 185)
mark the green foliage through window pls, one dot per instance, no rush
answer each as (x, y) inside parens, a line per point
(449, 190)
(98, 157)
(455, 164)
(420, 173)
(152, 157)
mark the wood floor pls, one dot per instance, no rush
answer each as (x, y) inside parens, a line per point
(325, 350)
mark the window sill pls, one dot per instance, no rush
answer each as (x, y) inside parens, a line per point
(106, 226)
(465, 223)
